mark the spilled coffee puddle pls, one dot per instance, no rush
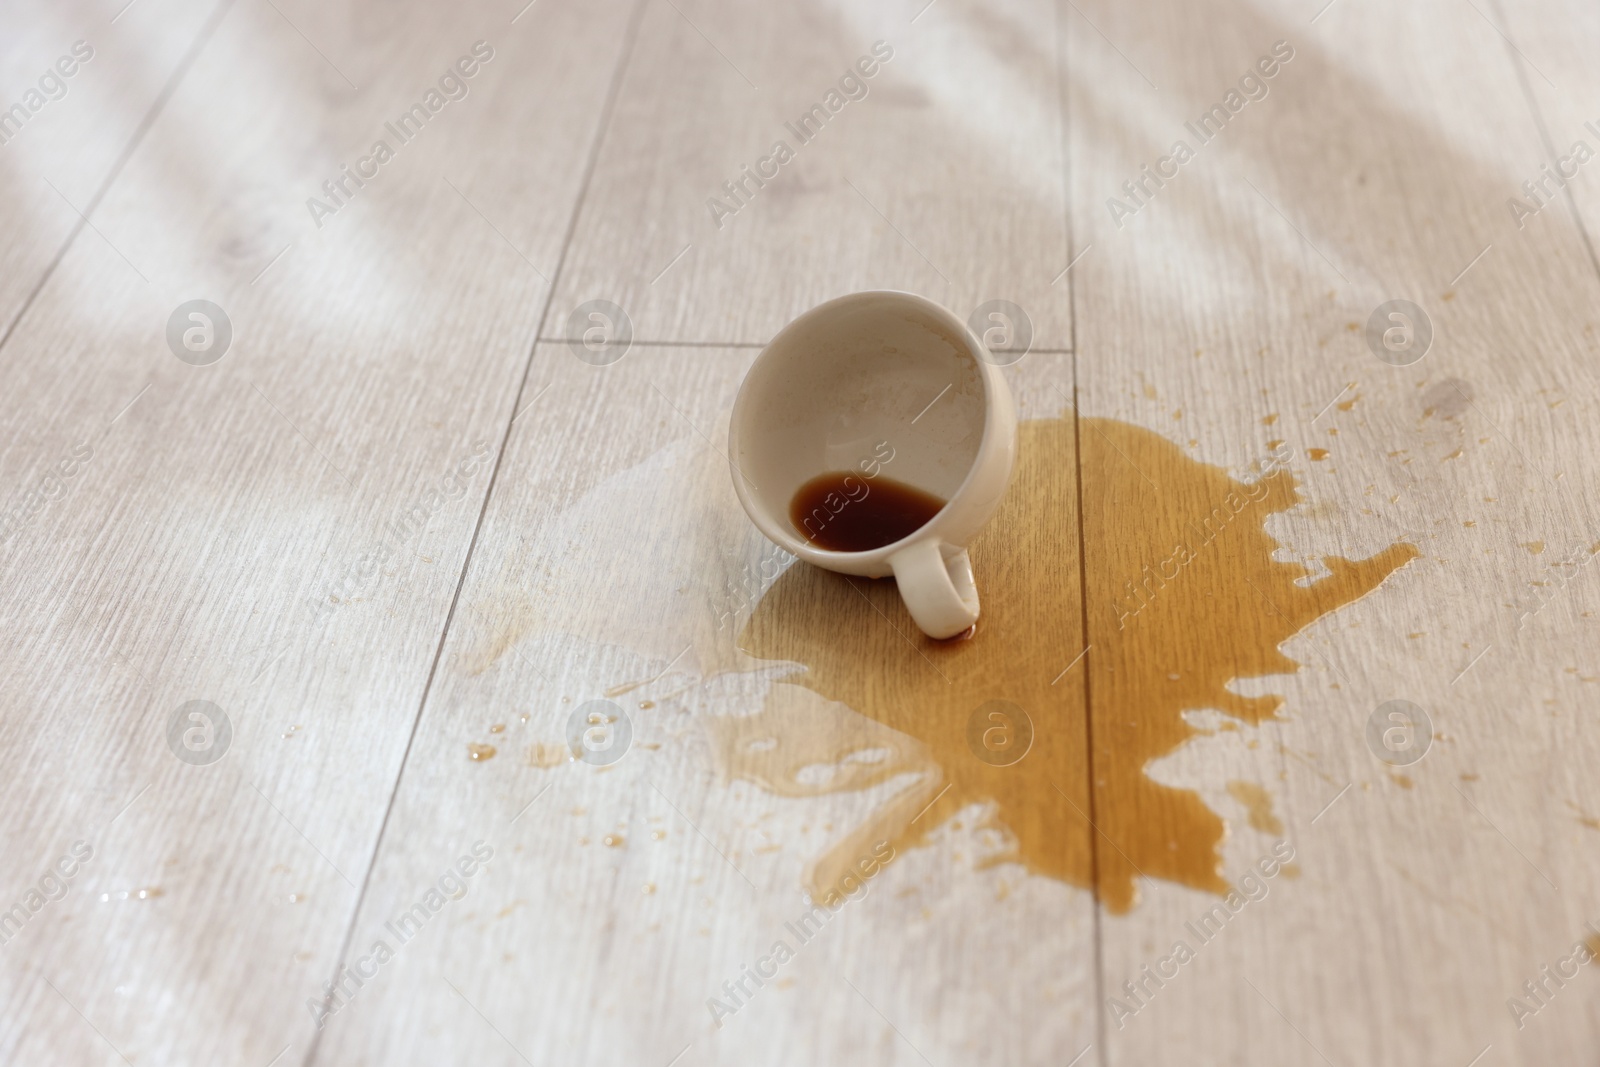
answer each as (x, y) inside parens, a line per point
(1183, 596)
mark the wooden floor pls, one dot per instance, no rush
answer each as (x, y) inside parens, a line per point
(398, 536)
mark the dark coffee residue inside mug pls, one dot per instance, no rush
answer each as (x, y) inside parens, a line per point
(842, 511)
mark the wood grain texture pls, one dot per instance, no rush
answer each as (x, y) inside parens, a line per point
(1552, 45)
(946, 178)
(281, 532)
(321, 534)
(59, 151)
(616, 553)
(1376, 168)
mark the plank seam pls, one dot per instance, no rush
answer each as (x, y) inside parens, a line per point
(1064, 97)
(601, 126)
(1545, 139)
(156, 106)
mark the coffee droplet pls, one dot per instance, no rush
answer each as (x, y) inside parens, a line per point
(847, 512)
(1258, 803)
(1179, 580)
(481, 752)
(133, 894)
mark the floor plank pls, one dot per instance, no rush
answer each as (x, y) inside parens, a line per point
(281, 532)
(1552, 44)
(74, 130)
(1227, 313)
(945, 178)
(403, 533)
(616, 564)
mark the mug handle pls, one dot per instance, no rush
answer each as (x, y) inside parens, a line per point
(938, 590)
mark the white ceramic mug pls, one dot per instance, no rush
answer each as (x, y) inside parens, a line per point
(880, 383)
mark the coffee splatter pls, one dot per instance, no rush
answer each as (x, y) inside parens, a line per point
(544, 755)
(1258, 803)
(1583, 816)
(1181, 596)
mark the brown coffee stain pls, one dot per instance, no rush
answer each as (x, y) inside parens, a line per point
(798, 746)
(1258, 803)
(501, 642)
(545, 756)
(1183, 596)
(1583, 816)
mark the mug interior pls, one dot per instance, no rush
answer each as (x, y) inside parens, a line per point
(877, 385)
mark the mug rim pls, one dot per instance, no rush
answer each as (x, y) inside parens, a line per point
(780, 533)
